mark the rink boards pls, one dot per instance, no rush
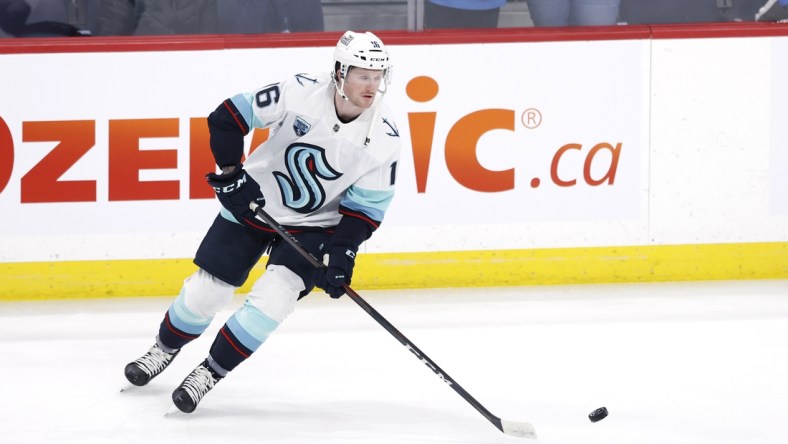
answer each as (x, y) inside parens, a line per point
(624, 154)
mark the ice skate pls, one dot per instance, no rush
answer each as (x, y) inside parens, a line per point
(141, 371)
(199, 382)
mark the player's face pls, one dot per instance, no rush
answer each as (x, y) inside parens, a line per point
(361, 86)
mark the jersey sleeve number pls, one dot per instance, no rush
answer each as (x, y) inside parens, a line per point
(267, 96)
(393, 169)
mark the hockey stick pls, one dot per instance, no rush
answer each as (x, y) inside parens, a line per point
(519, 429)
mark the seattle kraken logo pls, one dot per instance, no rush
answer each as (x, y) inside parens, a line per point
(301, 191)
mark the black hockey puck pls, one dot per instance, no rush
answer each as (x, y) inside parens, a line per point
(598, 414)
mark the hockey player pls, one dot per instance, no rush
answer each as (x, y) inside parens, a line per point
(326, 174)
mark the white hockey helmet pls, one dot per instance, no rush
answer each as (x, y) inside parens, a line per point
(361, 50)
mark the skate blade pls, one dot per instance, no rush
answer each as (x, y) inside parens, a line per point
(128, 386)
(172, 411)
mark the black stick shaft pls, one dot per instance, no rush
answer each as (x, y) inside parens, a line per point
(290, 239)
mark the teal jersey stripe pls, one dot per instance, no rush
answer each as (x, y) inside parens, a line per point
(244, 104)
(373, 203)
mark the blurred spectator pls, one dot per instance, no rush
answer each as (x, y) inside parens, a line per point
(773, 11)
(48, 18)
(302, 15)
(687, 11)
(462, 13)
(270, 16)
(13, 16)
(157, 17)
(573, 12)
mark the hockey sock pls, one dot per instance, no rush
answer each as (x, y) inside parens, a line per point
(180, 326)
(242, 335)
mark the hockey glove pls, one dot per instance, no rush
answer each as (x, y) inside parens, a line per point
(337, 272)
(236, 189)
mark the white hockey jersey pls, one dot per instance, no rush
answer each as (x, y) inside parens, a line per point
(312, 162)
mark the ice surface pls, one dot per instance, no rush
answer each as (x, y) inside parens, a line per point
(674, 363)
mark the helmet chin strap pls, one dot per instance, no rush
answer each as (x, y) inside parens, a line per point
(341, 89)
(378, 104)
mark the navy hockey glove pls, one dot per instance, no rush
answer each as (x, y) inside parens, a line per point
(235, 190)
(338, 271)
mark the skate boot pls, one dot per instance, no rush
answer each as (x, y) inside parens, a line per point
(141, 371)
(194, 387)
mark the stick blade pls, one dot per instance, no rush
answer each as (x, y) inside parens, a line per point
(518, 429)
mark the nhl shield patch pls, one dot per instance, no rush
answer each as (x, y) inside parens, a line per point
(301, 126)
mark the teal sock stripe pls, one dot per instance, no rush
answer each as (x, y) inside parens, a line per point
(251, 326)
(184, 320)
